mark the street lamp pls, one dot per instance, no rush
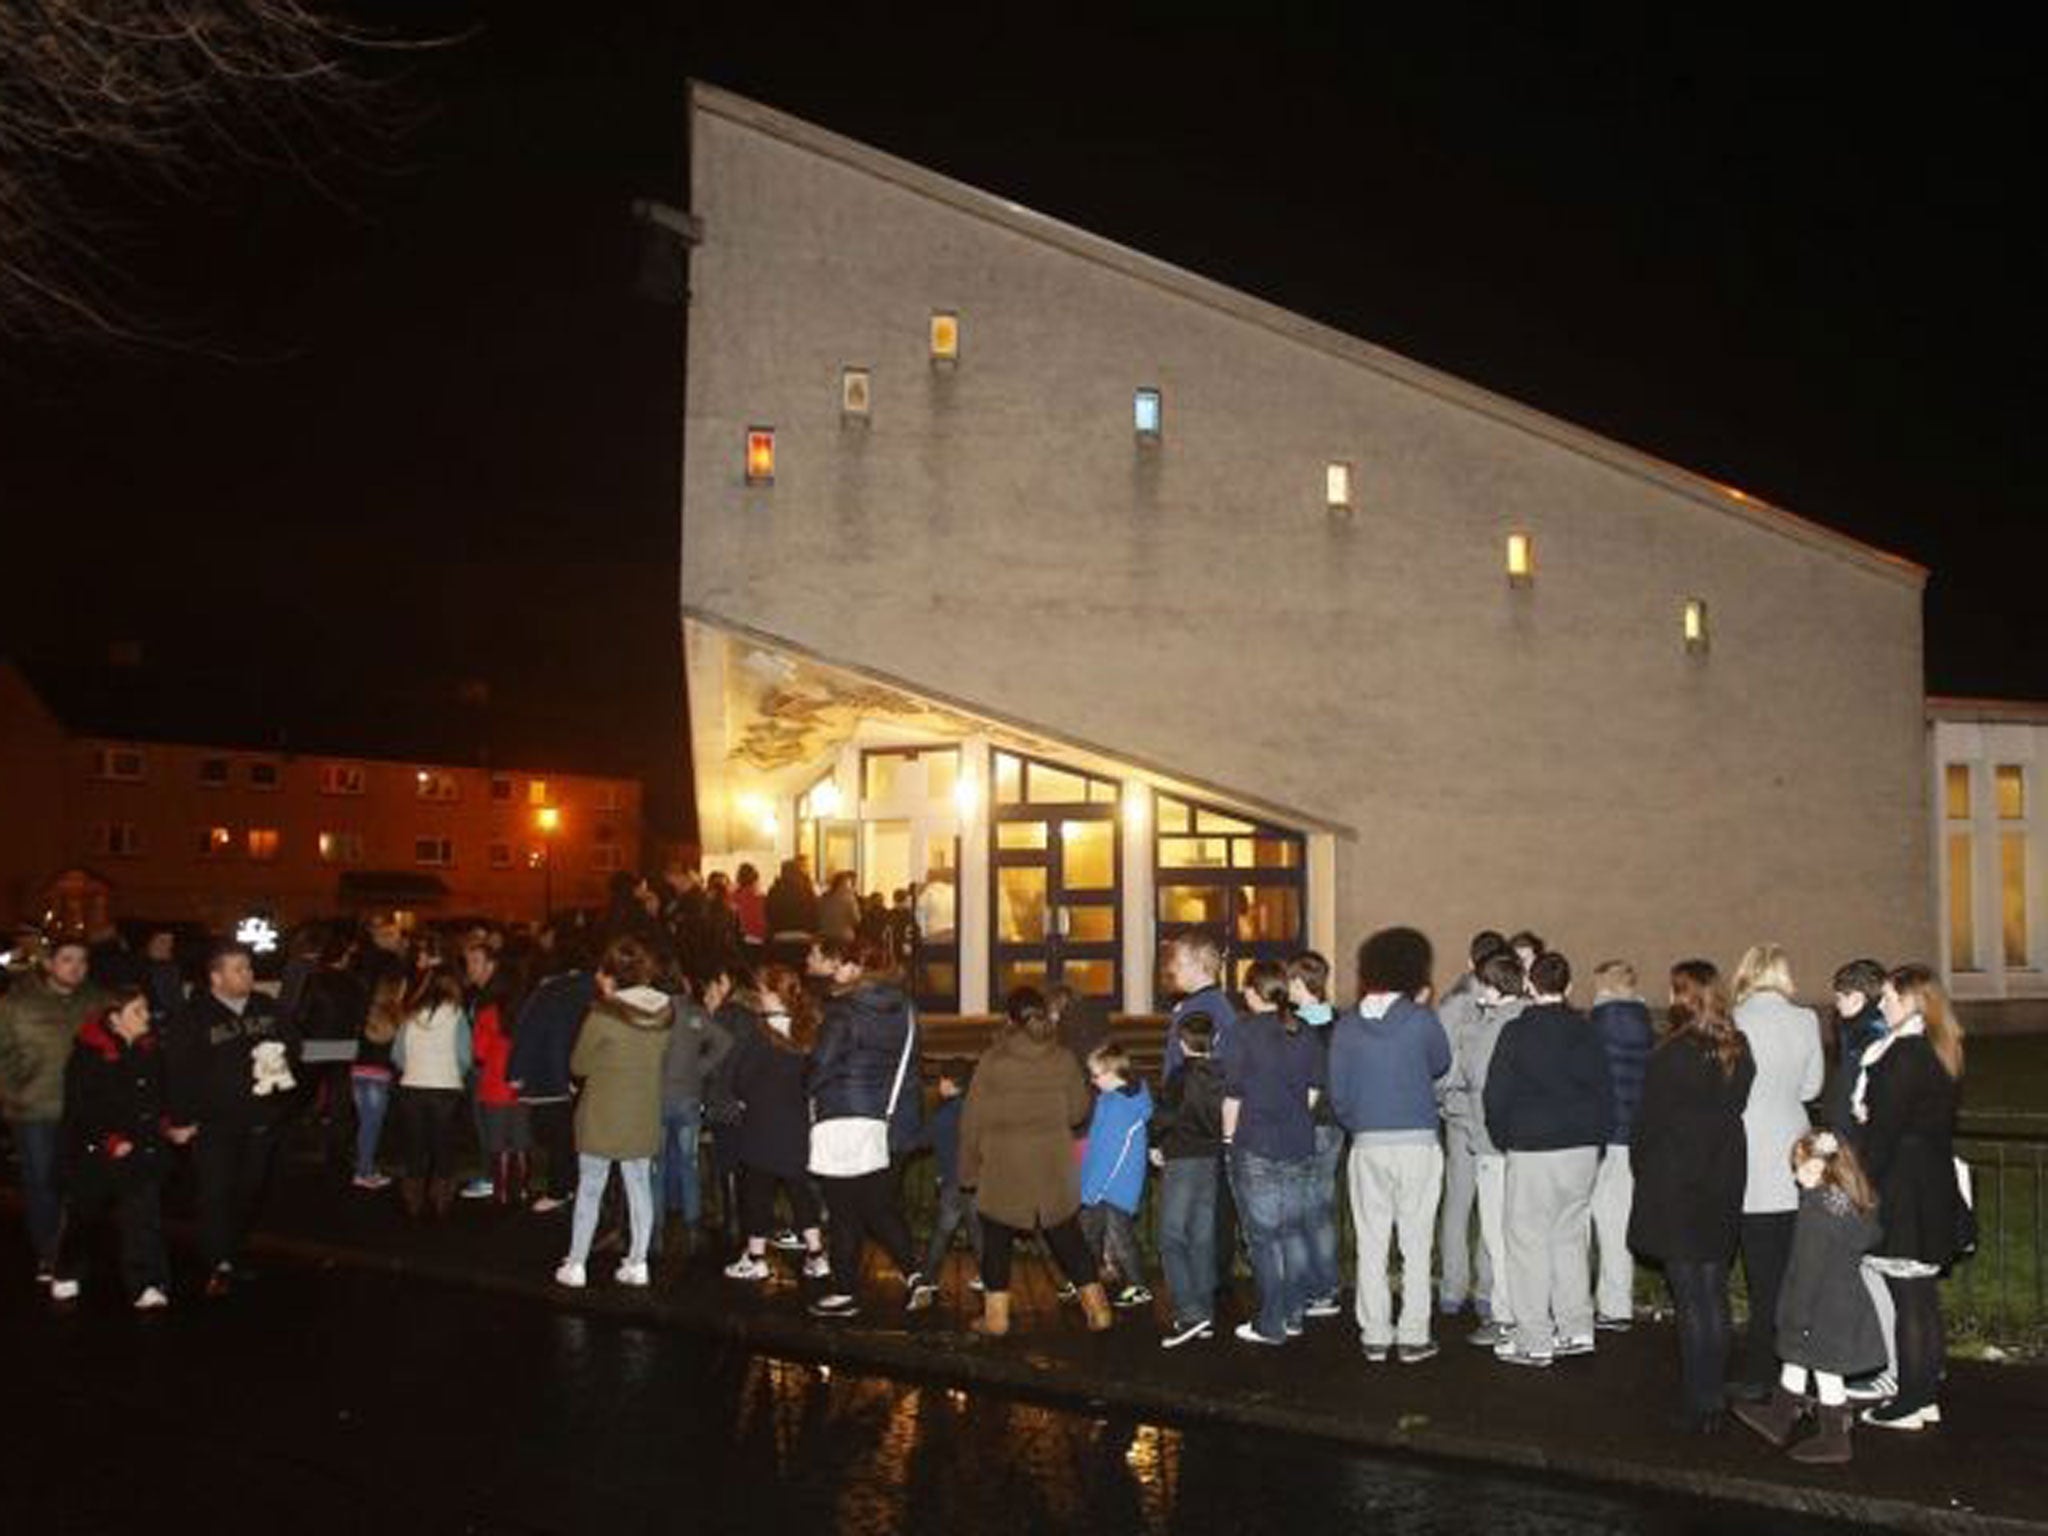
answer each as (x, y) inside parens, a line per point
(549, 820)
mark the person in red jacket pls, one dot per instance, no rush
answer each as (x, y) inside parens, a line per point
(115, 1136)
(504, 1124)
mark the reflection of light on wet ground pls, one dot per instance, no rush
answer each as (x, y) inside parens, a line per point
(1154, 1459)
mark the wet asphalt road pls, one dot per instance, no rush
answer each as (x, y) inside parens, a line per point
(351, 1401)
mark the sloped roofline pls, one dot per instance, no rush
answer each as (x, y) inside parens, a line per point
(1726, 499)
(1259, 805)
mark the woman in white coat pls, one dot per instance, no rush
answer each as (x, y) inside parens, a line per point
(1784, 1040)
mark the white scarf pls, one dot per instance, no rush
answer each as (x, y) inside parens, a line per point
(1872, 1055)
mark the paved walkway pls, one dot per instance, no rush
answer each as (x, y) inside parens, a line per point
(1601, 1418)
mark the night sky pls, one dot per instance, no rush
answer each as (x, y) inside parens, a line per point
(418, 426)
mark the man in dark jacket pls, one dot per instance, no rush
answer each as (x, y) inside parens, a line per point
(538, 1072)
(229, 1058)
(1550, 1107)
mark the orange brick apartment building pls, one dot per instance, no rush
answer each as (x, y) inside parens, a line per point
(94, 827)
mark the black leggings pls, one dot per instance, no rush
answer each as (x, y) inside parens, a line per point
(1920, 1339)
(554, 1132)
(428, 1116)
(865, 1207)
(757, 1201)
(1699, 1297)
(1766, 1252)
(1068, 1247)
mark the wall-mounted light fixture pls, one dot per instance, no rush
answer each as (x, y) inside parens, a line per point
(1521, 559)
(1693, 625)
(1147, 414)
(760, 455)
(945, 337)
(1337, 486)
(856, 393)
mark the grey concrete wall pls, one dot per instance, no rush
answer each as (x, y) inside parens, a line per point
(1550, 757)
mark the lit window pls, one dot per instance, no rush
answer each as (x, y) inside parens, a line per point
(433, 852)
(1337, 486)
(437, 784)
(1962, 926)
(263, 775)
(341, 847)
(1145, 413)
(536, 791)
(2011, 782)
(214, 842)
(1956, 782)
(945, 336)
(760, 455)
(501, 855)
(213, 772)
(1521, 559)
(262, 844)
(856, 391)
(1693, 625)
(2012, 896)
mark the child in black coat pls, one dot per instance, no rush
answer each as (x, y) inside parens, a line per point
(114, 1138)
(1827, 1327)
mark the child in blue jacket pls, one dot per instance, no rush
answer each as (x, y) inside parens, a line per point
(1113, 1173)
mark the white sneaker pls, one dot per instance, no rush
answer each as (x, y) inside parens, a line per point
(817, 1267)
(151, 1300)
(629, 1273)
(63, 1290)
(547, 1203)
(571, 1275)
(1568, 1346)
(478, 1189)
(747, 1267)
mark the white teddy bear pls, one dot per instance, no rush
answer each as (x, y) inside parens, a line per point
(273, 1073)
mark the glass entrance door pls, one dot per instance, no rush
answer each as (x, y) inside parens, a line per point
(1055, 866)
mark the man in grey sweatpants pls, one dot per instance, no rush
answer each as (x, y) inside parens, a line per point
(1462, 1274)
(1549, 1107)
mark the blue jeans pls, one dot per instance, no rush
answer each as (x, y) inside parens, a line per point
(38, 1141)
(592, 1173)
(1187, 1235)
(1325, 1276)
(1271, 1197)
(373, 1101)
(676, 1162)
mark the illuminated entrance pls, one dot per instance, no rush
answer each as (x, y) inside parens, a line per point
(1055, 864)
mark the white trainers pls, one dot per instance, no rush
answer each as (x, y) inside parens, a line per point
(571, 1275)
(629, 1273)
(817, 1267)
(747, 1267)
(63, 1290)
(152, 1299)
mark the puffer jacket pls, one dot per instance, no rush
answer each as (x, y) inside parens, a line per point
(38, 1025)
(867, 1049)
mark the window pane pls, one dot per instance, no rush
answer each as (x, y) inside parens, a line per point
(1173, 815)
(1962, 941)
(941, 772)
(938, 984)
(1213, 821)
(1206, 904)
(2012, 792)
(1090, 978)
(1055, 786)
(1265, 853)
(1101, 792)
(882, 770)
(1088, 855)
(1020, 834)
(1009, 780)
(1091, 925)
(841, 849)
(1194, 852)
(1269, 914)
(1958, 791)
(2012, 880)
(1020, 905)
(1011, 974)
(887, 866)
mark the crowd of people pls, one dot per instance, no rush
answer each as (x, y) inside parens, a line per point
(1509, 1155)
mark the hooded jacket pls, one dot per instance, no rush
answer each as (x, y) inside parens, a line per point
(38, 1025)
(1548, 1087)
(1384, 1069)
(1113, 1167)
(546, 1036)
(868, 1049)
(618, 1055)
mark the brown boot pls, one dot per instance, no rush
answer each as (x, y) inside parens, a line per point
(1095, 1307)
(412, 1194)
(1829, 1446)
(994, 1321)
(440, 1196)
(1775, 1417)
